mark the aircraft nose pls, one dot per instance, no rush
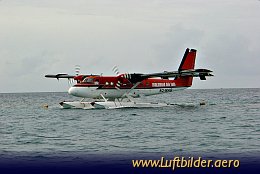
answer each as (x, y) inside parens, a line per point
(72, 91)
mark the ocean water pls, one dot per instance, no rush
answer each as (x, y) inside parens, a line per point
(229, 123)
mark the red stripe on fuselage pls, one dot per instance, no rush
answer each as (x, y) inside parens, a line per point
(110, 82)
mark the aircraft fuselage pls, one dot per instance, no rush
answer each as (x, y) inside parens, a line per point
(116, 87)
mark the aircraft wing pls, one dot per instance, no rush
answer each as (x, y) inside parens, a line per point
(202, 73)
(181, 73)
(60, 76)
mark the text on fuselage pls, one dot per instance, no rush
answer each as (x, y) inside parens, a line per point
(163, 84)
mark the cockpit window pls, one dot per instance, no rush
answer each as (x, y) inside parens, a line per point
(88, 80)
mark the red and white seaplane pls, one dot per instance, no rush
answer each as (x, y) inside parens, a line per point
(110, 92)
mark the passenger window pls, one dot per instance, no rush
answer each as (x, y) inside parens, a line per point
(96, 82)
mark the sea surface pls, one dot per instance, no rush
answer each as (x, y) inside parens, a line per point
(228, 123)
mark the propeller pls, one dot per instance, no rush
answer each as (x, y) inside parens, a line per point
(115, 70)
(134, 77)
(77, 69)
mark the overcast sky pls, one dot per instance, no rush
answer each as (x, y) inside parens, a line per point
(39, 37)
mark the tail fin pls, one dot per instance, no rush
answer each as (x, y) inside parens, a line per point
(188, 62)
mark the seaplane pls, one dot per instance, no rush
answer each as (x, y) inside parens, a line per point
(120, 91)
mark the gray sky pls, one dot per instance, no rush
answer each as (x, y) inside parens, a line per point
(39, 37)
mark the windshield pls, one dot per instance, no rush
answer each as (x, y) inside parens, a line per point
(88, 80)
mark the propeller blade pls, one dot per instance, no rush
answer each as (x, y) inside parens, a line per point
(115, 70)
(77, 69)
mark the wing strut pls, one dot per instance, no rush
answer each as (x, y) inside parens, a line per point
(127, 92)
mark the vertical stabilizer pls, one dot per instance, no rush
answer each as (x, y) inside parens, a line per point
(188, 62)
